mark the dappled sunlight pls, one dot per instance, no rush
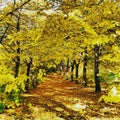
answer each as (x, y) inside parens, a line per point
(30, 95)
(76, 107)
(39, 114)
(67, 99)
(103, 118)
(59, 59)
(57, 99)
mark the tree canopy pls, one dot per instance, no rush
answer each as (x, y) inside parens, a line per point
(40, 36)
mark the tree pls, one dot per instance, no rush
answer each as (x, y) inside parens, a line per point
(85, 61)
(17, 45)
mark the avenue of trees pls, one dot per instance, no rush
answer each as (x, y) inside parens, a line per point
(42, 36)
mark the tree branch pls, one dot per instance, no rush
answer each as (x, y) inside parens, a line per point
(11, 12)
(2, 37)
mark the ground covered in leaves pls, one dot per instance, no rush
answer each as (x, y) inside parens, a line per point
(60, 99)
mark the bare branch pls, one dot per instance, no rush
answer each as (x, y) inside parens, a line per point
(11, 12)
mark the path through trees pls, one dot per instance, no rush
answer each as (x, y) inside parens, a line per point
(60, 99)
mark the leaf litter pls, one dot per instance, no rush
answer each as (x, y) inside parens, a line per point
(60, 99)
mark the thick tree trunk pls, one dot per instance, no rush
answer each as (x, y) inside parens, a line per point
(85, 60)
(72, 70)
(96, 68)
(28, 74)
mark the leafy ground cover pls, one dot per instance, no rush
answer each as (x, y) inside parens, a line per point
(60, 99)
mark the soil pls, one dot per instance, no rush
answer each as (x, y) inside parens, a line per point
(60, 99)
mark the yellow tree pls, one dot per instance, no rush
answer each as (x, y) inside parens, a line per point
(104, 25)
(18, 39)
(100, 21)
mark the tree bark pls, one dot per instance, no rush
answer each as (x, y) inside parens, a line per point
(72, 70)
(67, 69)
(77, 70)
(68, 65)
(85, 60)
(28, 74)
(96, 68)
(17, 61)
(61, 66)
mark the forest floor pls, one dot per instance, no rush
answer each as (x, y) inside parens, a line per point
(60, 99)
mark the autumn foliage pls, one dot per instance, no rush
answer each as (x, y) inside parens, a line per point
(81, 39)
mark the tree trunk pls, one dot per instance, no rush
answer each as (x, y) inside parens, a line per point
(72, 70)
(28, 74)
(61, 66)
(85, 60)
(68, 65)
(77, 70)
(67, 69)
(17, 62)
(96, 68)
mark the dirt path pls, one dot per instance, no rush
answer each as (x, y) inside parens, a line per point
(59, 99)
(56, 95)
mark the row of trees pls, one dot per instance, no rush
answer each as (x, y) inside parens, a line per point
(87, 31)
(37, 35)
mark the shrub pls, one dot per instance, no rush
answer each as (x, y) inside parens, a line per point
(113, 96)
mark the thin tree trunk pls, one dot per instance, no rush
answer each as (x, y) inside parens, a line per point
(17, 61)
(68, 65)
(96, 68)
(77, 70)
(85, 60)
(67, 69)
(61, 66)
(28, 74)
